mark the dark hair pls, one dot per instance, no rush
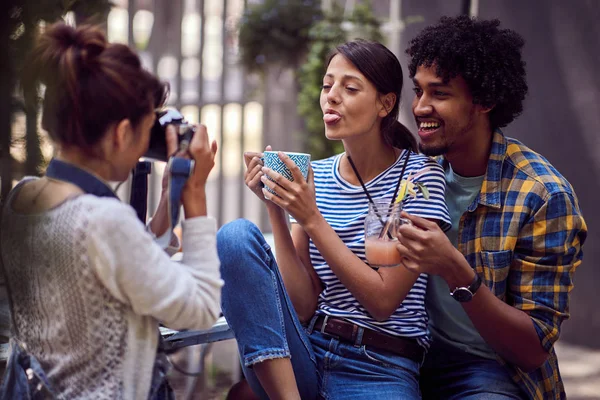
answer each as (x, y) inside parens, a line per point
(382, 68)
(90, 84)
(486, 57)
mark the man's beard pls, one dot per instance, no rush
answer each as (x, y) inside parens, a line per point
(433, 151)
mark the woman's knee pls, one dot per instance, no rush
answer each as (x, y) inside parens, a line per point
(238, 242)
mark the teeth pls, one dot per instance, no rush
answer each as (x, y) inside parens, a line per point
(429, 125)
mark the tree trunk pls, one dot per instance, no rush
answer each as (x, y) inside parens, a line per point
(34, 160)
(7, 82)
(32, 139)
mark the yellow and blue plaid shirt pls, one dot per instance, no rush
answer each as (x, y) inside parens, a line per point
(523, 234)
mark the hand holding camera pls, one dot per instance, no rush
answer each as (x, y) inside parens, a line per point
(172, 135)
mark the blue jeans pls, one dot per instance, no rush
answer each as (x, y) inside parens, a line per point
(16, 384)
(259, 311)
(451, 374)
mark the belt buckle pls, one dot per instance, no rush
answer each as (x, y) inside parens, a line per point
(324, 324)
(322, 330)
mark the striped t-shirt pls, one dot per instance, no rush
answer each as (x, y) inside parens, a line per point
(345, 207)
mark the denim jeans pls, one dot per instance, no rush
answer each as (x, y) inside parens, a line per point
(259, 311)
(17, 385)
(452, 374)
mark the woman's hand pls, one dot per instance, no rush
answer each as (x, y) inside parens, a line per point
(160, 220)
(203, 153)
(253, 172)
(193, 196)
(297, 197)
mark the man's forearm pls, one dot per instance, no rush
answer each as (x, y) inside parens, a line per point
(508, 331)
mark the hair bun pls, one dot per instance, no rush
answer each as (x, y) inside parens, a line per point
(87, 42)
(90, 42)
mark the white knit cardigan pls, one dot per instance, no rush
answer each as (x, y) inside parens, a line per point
(89, 286)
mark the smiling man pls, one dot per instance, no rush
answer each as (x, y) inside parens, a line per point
(501, 277)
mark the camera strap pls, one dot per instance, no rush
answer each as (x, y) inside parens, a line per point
(138, 198)
(179, 170)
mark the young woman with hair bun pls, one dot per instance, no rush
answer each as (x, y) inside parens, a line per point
(87, 283)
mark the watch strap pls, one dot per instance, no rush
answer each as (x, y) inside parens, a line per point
(472, 289)
(474, 286)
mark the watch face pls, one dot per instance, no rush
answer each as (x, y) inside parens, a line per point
(462, 294)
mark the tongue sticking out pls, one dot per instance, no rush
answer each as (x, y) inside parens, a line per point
(331, 118)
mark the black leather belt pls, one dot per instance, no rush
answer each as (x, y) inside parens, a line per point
(348, 331)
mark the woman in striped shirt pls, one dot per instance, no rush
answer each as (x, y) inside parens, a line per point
(319, 322)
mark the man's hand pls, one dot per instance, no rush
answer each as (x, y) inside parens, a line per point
(425, 248)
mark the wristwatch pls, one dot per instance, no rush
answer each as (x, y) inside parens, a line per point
(466, 293)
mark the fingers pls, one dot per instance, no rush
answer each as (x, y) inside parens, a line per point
(253, 170)
(200, 137)
(250, 156)
(411, 232)
(269, 184)
(402, 249)
(253, 176)
(276, 177)
(199, 146)
(270, 196)
(310, 179)
(407, 262)
(273, 197)
(410, 265)
(296, 173)
(419, 222)
(171, 139)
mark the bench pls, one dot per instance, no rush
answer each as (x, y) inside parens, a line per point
(220, 330)
(174, 340)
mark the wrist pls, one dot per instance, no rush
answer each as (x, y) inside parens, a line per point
(313, 224)
(459, 273)
(159, 222)
(273, 209)
(194, 203)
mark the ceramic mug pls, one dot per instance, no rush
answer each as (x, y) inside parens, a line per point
(271, 160)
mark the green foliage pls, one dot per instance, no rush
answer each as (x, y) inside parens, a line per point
(365, 24)
(276, 32)
(324, 36)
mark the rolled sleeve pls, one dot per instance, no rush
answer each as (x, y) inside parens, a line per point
(542, 278)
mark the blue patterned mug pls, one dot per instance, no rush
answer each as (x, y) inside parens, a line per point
(271, 160)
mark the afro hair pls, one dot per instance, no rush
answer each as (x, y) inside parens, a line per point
(486, 57)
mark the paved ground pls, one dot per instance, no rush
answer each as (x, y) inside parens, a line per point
(580, 370)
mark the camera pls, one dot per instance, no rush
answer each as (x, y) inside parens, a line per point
(157, 149)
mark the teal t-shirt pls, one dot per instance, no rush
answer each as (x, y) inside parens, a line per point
(449, 323)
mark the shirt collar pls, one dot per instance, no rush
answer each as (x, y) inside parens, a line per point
(491, 190)
(88, 182)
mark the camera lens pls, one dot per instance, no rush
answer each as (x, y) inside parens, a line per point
(157, 149)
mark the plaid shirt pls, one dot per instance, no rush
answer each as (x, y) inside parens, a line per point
(523, 234)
